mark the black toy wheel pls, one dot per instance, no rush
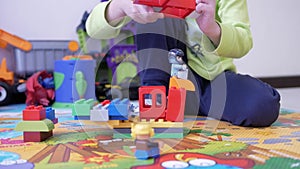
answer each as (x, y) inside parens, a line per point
(5, 93)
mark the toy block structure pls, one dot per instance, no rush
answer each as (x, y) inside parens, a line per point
(35, 126)
(165, 114)
(153, 104)
(171, 8)
(118, 109)
(81, 109)
(100, 112)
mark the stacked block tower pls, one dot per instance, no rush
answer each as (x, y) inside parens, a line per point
(35, 126)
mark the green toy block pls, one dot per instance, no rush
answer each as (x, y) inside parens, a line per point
(82, 107)
(122, 135)
(35, 126)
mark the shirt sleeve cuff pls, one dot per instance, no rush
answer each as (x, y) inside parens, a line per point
(97, 25)
(225, 42)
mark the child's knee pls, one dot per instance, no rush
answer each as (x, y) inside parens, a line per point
(263, 112)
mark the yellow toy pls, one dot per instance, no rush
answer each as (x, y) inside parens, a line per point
(145, 148)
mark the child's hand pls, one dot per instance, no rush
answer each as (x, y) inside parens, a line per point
(206, 20)
(139, 13)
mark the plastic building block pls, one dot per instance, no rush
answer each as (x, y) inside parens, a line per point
(37, 136)
(50, 114)
(152, 102)
(99, 112)
(118, 109)
(181, 83)
(16, 41)
(151, 151)
(82, 107)
(176, 104)
(35, 126)
(81, 117)
(172, 8)
(34, 113)
(179, 8)
(158, 3)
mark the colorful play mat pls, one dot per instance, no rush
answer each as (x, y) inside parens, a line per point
(90, 145)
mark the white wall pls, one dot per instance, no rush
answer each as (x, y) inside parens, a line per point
(275, 28)
(276, 34)
(43, 19)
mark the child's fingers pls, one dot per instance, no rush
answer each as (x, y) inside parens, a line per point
(204, 1)
(145, 14)
(201, 7)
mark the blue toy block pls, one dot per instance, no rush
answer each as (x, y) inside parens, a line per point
(81, 117)
(119, 109)
(50, 113)
(141, 154)
(146, 154)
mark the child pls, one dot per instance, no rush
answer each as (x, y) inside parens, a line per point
(211, 37)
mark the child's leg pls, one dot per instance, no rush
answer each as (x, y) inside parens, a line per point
(240, 99)
(153, 44)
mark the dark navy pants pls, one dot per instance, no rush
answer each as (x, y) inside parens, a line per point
(239, 99)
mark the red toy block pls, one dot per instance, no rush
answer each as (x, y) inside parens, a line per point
(157, 3)
(176, 104)
(36, 136)
(171, 8)
(34, 113)
(105, 102)
(186, 4)
(179, 8)
(152, 102)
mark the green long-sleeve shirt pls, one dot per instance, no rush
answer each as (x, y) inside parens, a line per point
(206, 59)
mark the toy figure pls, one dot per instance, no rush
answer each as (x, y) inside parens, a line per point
(142, 132)
(40, 89)
(179, 68)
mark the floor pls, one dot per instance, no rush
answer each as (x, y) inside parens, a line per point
(290, 98)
